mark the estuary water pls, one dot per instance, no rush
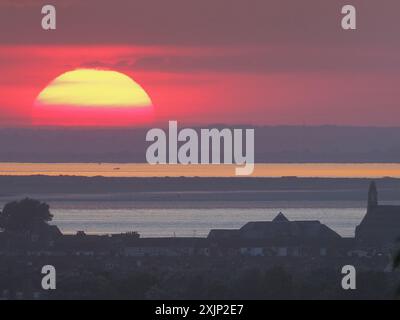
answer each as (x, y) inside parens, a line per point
(189, 222)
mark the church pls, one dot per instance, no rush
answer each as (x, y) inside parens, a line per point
(381, 224)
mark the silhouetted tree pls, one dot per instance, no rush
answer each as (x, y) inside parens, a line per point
(24, 215)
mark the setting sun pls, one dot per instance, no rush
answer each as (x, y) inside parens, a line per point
(91, 87)
(92, 97)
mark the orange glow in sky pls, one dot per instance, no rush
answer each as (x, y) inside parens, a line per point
(195, 86)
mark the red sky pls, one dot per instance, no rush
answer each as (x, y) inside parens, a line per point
(236, 62)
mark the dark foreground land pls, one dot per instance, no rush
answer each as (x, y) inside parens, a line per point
(194, 278)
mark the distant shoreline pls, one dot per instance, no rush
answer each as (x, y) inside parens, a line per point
(186, 189)
(262, 170)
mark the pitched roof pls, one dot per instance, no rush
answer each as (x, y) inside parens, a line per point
(279, 229)
(280, 218)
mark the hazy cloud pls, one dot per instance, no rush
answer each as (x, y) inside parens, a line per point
(274, 60)
(206, 22)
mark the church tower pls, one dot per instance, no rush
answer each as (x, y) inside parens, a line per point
(372, 195)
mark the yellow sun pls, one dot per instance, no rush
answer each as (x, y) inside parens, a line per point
(92, 97)
(94, 88)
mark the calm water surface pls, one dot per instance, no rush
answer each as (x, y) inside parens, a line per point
(157, 222)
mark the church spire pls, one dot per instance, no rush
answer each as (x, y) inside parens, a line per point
(372, 195)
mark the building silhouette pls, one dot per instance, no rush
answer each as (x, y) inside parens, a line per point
(381, 224)
(279, 237)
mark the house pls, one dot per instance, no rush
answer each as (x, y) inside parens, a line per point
(381, 224)
(82, 244)
(279, 237)
(167, 247)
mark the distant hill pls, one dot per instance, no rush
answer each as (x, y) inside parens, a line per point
(273, 144)
(179, 190)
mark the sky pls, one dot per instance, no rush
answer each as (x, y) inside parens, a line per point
(261, 62)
